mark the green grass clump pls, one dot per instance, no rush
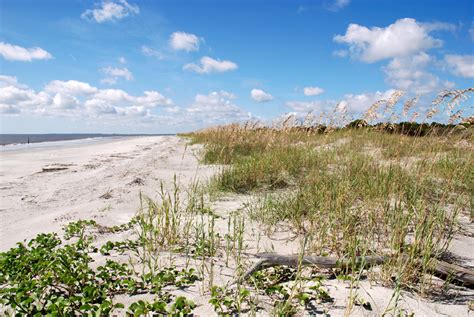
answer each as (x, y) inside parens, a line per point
(273, 169)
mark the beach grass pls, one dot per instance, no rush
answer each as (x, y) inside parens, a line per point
(352, 192)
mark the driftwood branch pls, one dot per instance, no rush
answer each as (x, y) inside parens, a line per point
(440, 268)
(455, 272)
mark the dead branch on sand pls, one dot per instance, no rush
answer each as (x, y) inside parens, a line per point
(439, 268)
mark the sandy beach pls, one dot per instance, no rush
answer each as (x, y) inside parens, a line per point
(33, 201)
(43, 189)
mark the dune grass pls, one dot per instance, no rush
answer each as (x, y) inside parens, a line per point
(352, 192)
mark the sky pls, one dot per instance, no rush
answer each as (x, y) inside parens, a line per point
(143, 66)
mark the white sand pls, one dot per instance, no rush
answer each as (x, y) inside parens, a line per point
(32, 201)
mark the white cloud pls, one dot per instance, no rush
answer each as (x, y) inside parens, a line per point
(148, 51)
(438, 26)
(10, 81)
(65, 101)
(15, 99)
(409, 73)
(98, 107)
(153, 99)
(337, 5)
(184, 41)
(70, 87)
(174, 109)
(460, 65)
(312, 91)
(405, 43)
(77, 100)
(216, 107)
(8, 109)
(122, 60)
(116, 96)
(402, 38)
(109, 80)
(17, 53)
(110, 10)
(12, 95)
(210, 65)
(260, 95)
(113, 74)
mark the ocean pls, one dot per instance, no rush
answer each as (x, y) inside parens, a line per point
(9, 139)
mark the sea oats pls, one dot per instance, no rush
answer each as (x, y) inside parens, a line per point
(372, 114)
(308, 120)
(431, 113)
(321, 118)
(455, 117)
(394, 98)
(409, 104)
(452, 98)
(414, 116)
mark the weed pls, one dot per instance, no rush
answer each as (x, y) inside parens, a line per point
(230, 301)
(179, 307)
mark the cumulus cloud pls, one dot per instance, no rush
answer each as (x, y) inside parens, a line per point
(153, 99)
(216, 107)
(260, 96)
(115, 96)
(17, 53)
(110, 10)
(12, 94)
(460, 65)
(410, 74)
(65, 101)
(402, 38)
(70, 87)
(113, 74)
(15, 99)
(312, 91)
(405, 43)
(78, 100)
(10, 81)
(184, 41)
(210, 65)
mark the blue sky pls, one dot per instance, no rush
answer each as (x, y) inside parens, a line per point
(136, 66)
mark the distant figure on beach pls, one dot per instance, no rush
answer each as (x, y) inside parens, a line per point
(28, 140)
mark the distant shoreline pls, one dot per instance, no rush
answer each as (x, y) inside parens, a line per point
(22, 139)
